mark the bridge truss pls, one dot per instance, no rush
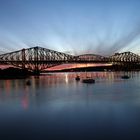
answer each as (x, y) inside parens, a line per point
(125, 57)
(37, 58)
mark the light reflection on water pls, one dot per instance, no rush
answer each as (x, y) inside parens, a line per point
(57, 106)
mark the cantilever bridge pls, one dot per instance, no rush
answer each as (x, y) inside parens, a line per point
(38, 58)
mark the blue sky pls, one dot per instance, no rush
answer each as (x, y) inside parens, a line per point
(72, 26)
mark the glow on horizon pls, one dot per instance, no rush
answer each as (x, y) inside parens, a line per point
(70, 66)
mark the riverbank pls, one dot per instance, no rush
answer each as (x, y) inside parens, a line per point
(14, 73)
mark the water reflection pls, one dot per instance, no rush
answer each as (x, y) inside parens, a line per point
(53, 83)
(57, 104)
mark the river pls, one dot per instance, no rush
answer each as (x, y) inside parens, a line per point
(55, 106)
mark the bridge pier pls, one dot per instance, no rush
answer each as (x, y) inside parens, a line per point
(36, 72)
(23, 58)
(36, 58)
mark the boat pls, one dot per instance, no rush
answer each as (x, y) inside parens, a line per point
(77, 78)
(125, 77)
(88, 80)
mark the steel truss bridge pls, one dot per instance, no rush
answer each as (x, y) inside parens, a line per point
(38, 58)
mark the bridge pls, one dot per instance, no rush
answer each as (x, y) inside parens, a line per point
(37, 58)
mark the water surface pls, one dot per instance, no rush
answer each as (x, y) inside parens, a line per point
(55, 106)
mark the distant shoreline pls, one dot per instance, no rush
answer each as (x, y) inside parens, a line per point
(16, 73)
(99, 69)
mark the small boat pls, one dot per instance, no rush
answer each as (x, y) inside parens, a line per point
(88, 80)
(125, 77)
(77, 78)
(28, 82)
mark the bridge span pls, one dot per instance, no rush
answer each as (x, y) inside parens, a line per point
(38, 58)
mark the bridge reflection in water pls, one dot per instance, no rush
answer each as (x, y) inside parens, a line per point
(37, 59)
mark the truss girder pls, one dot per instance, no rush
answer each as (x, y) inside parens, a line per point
(38, 58)
(92, 58)
(125, 57)
(35, 58)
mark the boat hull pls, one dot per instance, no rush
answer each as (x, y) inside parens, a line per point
(88, 81)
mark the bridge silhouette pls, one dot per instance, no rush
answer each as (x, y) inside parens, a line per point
(37, 58)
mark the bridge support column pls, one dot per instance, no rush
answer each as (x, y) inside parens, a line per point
(36, 70)
(23, 58)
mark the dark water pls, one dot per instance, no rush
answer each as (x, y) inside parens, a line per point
(55, 106)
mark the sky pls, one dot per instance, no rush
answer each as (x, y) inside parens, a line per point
(71, 26)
